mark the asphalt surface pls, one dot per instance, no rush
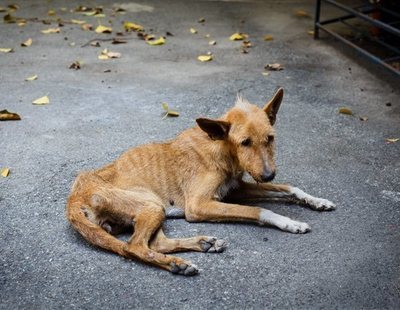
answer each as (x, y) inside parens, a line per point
(350, 260)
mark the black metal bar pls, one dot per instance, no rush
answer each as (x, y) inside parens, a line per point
(375, 22)
(359, 49)
(390, 59)
(317, 17)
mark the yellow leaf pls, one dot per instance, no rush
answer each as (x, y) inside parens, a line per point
(100, 15)
(238, 36)
(51, 13)
(41, 101)
(105, 54)
(103, 57)
(392, 140)
(268, 38)
(159, 41)
(27, 43)
(6, 50)
(78, 22)
(301, 13)
(204, 58)
(274, 67)
(212, 42)
(5, 172)
(51, 30)
(87, 27)
(265, 73)
(21, 24)
(169, 112)
(132, 26)
(91, 13)
(31, 78)
(2, 9)
(103, 29)
(192, 30)
(346, 111)
(9, 116)
(310, 32)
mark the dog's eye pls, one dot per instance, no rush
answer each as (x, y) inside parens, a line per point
(246, 142)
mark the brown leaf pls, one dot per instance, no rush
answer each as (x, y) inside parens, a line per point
(238, 36)
(363, 118)
(27, 43)
(246, 44)
(75, 65)
(346, 111)
(118, 41)
(201, 20)
(87, 27)
(95, 44)
(302, 13)
(103, 29)
(51, 30)
(9, 116)
(9, 19)
(268, 38)
(4, 172)
(274, 67)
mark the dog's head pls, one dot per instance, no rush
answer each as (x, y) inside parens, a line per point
(248, 132)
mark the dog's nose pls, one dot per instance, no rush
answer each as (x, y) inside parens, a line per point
(268, 175)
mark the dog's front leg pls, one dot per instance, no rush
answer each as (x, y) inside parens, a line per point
(269, 190)
(215, 211)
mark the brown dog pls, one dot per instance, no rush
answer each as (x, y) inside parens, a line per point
(186, 177)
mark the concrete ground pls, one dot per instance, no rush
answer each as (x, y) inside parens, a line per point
(350, 260)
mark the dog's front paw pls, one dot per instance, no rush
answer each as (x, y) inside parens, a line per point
(321, 204)
(296, 227)
(185, 269)
(213, 245)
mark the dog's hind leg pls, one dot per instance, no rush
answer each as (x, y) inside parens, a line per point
(162, 244)
(270, 190)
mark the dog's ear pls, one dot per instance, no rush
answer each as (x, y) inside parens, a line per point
(272, 107)
(216, 129)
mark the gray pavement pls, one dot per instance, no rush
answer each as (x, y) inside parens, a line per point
(350, 260)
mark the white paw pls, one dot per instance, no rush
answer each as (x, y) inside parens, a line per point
(296, 227)
(320, 204)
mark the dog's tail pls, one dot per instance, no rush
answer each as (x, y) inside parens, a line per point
(79, 215)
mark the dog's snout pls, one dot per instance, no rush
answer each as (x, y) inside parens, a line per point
(268, 175)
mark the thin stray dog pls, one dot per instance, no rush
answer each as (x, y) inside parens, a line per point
(188, 177)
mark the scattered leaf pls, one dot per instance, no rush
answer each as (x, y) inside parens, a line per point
(274, 67)
(207, 35)
(310, 32)
(95, 44)
(103, 29)
(77, 21)
(302, 13)
(118, 41)
(105, 54)
(363, 118)
(132, 26)
(192, 30)
(87, 27)
(212, 43)
(9, 116)
(51, 30)
(391, 140)
(201, 20)
(6, 50)
(159, 41)
(72, 44)
(168, 111)
(27, 43)
(31, 78)
(41, 101)
(2, 9)
(107, 71)
(238, 36)
(101, 15)
(75, 65)
(246, 44)
(13, 7)
(51, 13)
(9, 19)
(169, 34)
(265, 73)
(268, 38)
(5, 172)
(21, 24)
(346, 111)
(204, 58)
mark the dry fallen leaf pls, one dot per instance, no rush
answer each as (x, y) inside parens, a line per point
(346, 111)
(103, 29)
(132, 26)
(95, 44)
(75, 65)
(78, 22)
(6, 50)
(310, 32)
(192, 30)
(5, 172)
(9, 116)
(302, 13)
(87, 27)
(238, 36)
(268, 38)
(159, 41)
(201, 20)
(2, 9)
(27, 43)
(9, 19)
(31, 78)
(118, 41)
(363, 118)
(106, 54)
(246, 44)
(212, 42)
(51, 12)
(41, 101)
(391, 140)
(274, 67)
(204, 58)
(51, 30)
(265, 73)
(168, 111)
